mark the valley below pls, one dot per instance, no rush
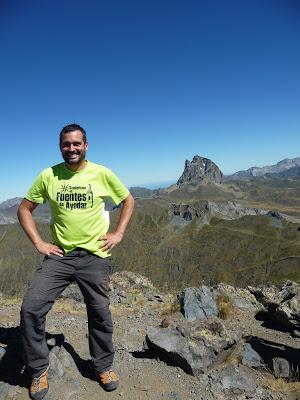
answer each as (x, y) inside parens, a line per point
(204, 294)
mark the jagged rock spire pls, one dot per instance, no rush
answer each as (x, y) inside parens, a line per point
(200, 170)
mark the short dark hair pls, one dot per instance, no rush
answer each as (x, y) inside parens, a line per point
(72, 128)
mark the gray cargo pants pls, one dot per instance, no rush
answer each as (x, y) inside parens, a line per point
(53, 275)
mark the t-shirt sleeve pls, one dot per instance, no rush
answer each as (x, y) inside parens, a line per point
(116, 190)
(37, 192)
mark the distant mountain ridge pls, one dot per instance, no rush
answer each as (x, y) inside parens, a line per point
(10, 203)
(280, 168)
(143, 192)
(203, 179)
(9, 208)
(295, 171)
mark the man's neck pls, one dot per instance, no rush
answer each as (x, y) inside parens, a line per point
(76, 167)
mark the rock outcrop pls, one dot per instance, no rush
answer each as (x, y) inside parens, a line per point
(234, 382)
(184, 213)
(200, 171)
(202, 302)
(63, 372)
(282, 305)
(194, 346)
(198, 303)
(125, 287)
(198, 343)
(225, 355)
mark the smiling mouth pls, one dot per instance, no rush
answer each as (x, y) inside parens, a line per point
(72, 155)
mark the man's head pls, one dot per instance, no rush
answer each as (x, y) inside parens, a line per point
(72, 128)
(73, 145)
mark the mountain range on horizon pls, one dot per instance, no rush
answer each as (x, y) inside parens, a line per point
(281, 168)
(202, 227)
(199, 170)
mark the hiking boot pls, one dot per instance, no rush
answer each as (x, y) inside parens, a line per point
(39, 386)
(108, 380)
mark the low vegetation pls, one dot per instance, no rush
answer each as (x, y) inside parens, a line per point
(225, 306)
(249, 250)
(18, 259)
(287, 388)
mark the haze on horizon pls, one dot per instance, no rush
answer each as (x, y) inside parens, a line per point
(153, 84)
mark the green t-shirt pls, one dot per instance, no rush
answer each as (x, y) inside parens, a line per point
(77, 204)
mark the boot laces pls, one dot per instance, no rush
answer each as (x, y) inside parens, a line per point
(108, 375)
(36, 383)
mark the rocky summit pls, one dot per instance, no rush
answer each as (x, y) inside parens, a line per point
(200, 171)
(205, 343)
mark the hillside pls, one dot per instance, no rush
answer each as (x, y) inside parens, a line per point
(278, 193)
(237, 231)
(250, 249)
(186, 239)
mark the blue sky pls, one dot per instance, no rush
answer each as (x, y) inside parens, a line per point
(153, 83)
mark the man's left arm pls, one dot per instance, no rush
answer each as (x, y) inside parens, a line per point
(112, 239)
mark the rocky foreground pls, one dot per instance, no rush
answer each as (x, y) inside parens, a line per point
(205, 343)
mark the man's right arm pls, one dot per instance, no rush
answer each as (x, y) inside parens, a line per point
(27, 222)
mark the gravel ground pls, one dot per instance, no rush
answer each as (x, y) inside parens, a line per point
(142, 375)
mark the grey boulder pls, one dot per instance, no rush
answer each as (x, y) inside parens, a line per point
(251, 358)
(194, 346)
(198, 303)
(283, 305)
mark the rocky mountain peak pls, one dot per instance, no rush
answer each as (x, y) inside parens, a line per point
(200, 170)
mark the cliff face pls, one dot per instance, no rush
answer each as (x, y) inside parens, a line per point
(200, 171)
(181, 214)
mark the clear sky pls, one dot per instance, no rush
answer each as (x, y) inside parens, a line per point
(152, 82)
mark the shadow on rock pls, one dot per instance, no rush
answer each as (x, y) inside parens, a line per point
(282, 360)
(151, 355)
(11, 357)
(62, 358)
(269, 322)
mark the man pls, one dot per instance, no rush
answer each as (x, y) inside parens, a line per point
(79, 252)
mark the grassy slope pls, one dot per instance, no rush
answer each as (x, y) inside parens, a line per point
(243, 251)
(249, 250)
(18, 259)
(272, 193)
